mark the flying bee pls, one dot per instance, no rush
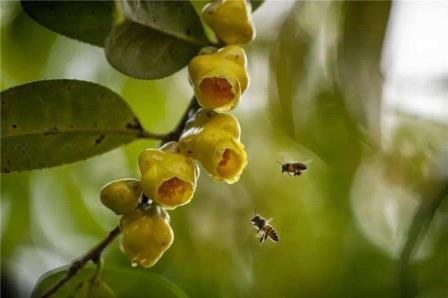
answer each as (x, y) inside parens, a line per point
(263, 226)
(293, 168)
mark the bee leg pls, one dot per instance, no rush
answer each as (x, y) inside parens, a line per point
(265, 236)
(262, 238)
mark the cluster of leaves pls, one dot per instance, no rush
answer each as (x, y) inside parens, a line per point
(142, 39)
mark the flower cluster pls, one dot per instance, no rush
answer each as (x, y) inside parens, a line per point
(169, 174)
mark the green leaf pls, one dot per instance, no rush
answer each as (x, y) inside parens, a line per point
(87, 21)
(159, 38)
(93, 288)
(49, 123)
(177, 19)
(144, 53)
(130, 282)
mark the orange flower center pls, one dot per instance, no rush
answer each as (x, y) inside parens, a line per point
(229, 163)
(217, 89)
(172, 191)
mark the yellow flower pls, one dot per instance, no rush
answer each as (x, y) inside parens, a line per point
(147, 234)
(168, 178)
(233, 53)
(230, 20)
(215, 143)
(211, 119)
(121, 196)
(219, 78)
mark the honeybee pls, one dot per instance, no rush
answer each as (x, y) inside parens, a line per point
(263, 226)
(293, 168)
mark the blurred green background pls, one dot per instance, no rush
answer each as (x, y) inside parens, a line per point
(359, 90)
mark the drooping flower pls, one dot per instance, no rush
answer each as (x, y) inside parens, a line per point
(168, 178)
(213, 139)
(219, 78)
(147, 234)
(230, 20)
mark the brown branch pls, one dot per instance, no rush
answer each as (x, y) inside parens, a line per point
(177, 131)
(94, 254)
(173, 135)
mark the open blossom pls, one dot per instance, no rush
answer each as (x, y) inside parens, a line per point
(213, 139)
(168, 178)
(219, 78)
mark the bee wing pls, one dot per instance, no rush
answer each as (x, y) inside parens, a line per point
(308, 161)
(269, 220)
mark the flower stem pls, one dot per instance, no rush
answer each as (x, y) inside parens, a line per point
(153, 136)
(177, 131)
(93, 255)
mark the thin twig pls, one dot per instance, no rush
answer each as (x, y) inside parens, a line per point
(176, 133)
(98, 269)
(419, 226)
(78, 264)
(94, 254)
(153, 136)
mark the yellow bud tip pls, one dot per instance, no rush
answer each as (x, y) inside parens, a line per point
(174, 191)
(229, 164)
(219, 89)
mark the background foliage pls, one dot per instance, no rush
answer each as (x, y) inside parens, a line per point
(318, 93)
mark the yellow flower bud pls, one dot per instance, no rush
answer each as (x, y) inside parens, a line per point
(219, 78)
(221, 154)
(230, 20)
(121, 196)
(147, 234)
(168, 178)
(233, 53)
(206, 118)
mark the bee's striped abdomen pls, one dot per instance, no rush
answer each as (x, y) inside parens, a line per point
(273, 234)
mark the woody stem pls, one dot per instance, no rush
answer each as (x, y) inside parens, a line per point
(95, 253)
